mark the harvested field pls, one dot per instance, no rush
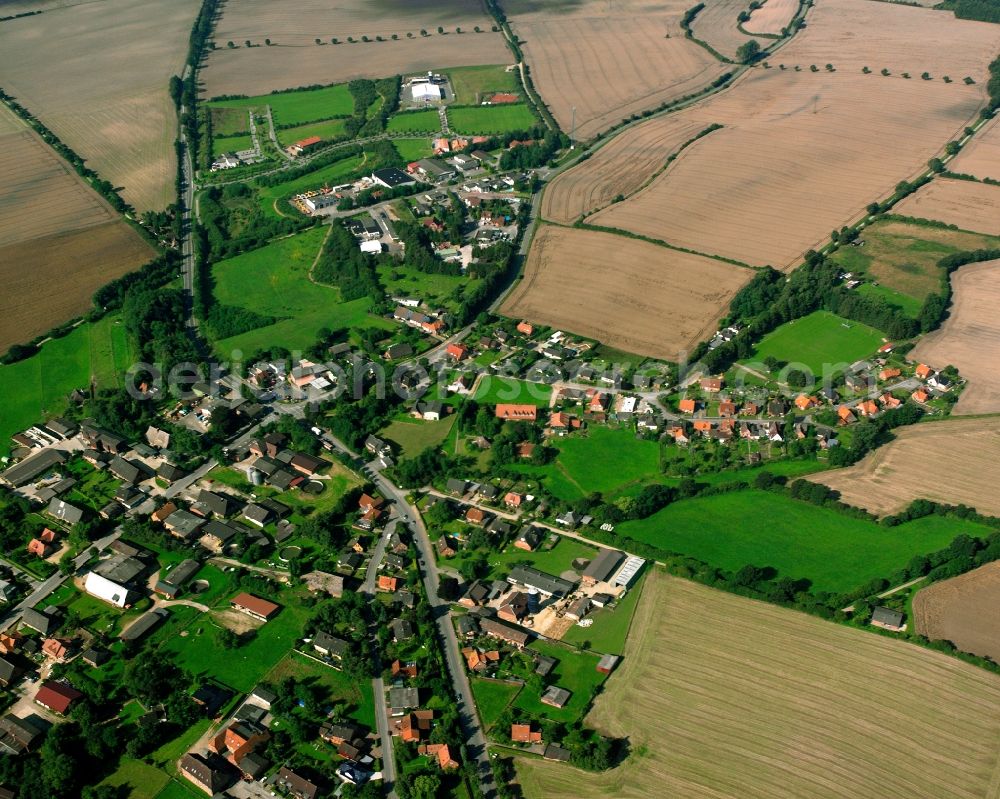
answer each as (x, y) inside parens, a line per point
(952, 461)
(952, 610)
(772, 17)
(96, 74)
(294, 58)
(610, 61)
(801, 152)
(716, 25)
(722, 696)
(969, 205)
(581, 280)
(970, 337)
(57, 237)
(981, 156)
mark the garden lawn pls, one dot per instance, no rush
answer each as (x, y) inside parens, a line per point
(576, 671)
(274, 280)
(493, 390)
(610, 628)
(340, 686)
(142, 781)
(37, 387)
(835, 552)
(175, 789)
(491, 118)
(414, 436)
(469, 83)
(819, 339)
(231, 144)
(295, 108)
(413, 149)
(554, 561)
(414, 122)
(328, 130)
(492, 698)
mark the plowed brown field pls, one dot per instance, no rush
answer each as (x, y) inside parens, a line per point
(772, 16)
(97, 75)
(716, 24)
(721, 696)
(629, 294)
(59, 240)
(970, 337)
(952, 610)
(981, 156)
(952, 461)
(294, 59)
(969, 205)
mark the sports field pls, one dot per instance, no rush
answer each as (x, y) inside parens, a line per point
(491, 118)
(296, 108)
(414, 122)
(819, 340)
(721, 696)
(473, 84)
(835, 552)
(274, 281)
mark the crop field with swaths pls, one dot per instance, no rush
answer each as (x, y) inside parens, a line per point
(801, 152)
(96, 74)
(293, 57)
(771, 17)
(59, 240)
(969, 338)
(981, 156)
(722, 696)
(951, 461)
(628, 294)
(964, 203)
(952, 610)
(716, 25)
(609, 60)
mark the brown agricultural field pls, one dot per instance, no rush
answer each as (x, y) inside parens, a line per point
(628, 294)
(97, 75)
(970, 337)
(772, 17)
(716, 24)
(981, 156)
(969, 205)
(721, 696)
(801, 153)
(609, 60)
(294, 59)
(952, 461)
(58, 238)
(952, 610)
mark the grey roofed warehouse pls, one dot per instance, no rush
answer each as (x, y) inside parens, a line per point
(30, 468)
(392, 177)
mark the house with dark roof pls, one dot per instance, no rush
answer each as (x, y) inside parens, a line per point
(888, 619)
(64, 512)
(329, 645)
(9, 672)
(171, 583)
(601, 568)
(511, 633)
(19, 735)
(210, 774)
(129, 471)
(144, 624)
(542, 582)
(38, 621)
(183, 524)
(402, 630)
(293, 784)
(220, 505)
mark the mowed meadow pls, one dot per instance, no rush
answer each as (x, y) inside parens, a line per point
(59, 240)
(609, 60)
(96, 74)
(721, 696)
(629, 294)
(294, 58)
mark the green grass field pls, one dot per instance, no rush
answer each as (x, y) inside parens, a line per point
(416, 435)
(175, 789)
(293, 108)
(610, 628)
(576, 671)
(469, 83)
(491, 118)
(492, 698)
(819, 339)
(836, 552)
(275, 280)
(328, 130)
(413, 149)
(231, 144)
(339, 686)
(907, 304)
(230, 121)
(36, 388)
(142, 781)
(493, 389)
(426, 121)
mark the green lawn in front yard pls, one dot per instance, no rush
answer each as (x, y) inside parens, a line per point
(817, 340)
(610, 626)
(140, 780)
(415, 435)
(492, 698)
(835, 552)
(494, 389)
(487, 119)
(576, 671)
(176, 789)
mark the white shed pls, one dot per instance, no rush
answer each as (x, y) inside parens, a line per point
(371, 247)
(107, 590)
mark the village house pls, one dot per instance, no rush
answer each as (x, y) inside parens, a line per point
(524, 734)
(923, 371)
(513, 412)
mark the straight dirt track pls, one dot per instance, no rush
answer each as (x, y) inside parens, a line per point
(720, 696)
(952, 462)
(629, 294)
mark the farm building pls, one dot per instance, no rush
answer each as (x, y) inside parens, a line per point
(254, 606)
(144, 624)
(543, 583)
(423, 91)
(603, 566)
(607, 664)
(320, 201)
(888, 619)
(628, 572)
(392, 178)
(30, 468)
(555, 696)
(56, 696)
(172, 582)
(303, 145)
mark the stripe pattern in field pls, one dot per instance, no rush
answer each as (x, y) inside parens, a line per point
(728, 697)
(981, 156)
(951, 610)
(716, 25)
(952, 461)
(772, 17)
(629, 294)
(963, 203)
